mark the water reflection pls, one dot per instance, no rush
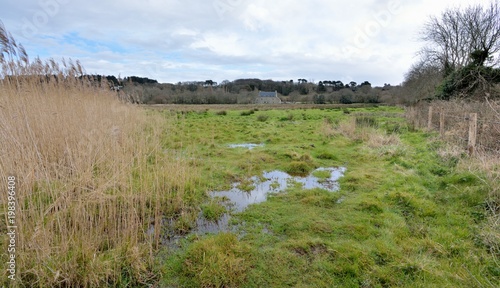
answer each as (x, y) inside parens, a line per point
(278, 181)
(249, 146)
(238, 200)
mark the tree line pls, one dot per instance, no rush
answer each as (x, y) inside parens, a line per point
(244, 91)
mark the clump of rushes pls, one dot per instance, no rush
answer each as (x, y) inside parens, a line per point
(289, 117)
(366, 121)
(325, 155)
(213, 210)
(247, 113)
(262, 117)
(221, 113)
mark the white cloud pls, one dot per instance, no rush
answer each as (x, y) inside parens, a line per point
(227, 39)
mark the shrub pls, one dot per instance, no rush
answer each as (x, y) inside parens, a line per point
(471, 81)
(345, 99)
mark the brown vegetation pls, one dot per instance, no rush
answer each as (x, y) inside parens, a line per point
(456, 125)
(91, 178)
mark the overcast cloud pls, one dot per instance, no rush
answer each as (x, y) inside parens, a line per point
(188, 40)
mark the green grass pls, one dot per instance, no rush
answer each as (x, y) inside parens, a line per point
(404, 217)
(218, 261)
(322, 174)
(213, 210)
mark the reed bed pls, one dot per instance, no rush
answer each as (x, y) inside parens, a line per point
(91, 177)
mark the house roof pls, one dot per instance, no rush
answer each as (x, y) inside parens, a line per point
(267, 94)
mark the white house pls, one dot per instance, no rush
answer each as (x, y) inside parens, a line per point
(268, 98)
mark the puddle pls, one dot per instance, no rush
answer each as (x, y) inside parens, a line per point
(171, 238)
(278, 181)
(204, 226)
(239, 200)
(249, 146)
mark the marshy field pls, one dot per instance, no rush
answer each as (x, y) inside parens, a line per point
(113, 194)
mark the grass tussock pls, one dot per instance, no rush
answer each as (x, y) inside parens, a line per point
(247, 113)
(299, 168)
(362, 129)
(218, 261)
(262, 118)
(221, 113)
(213, 210)
(91, 177)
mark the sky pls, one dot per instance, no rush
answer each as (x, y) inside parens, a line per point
(198, 40)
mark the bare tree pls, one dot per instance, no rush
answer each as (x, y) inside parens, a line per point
(483, 29)
(446, 40)
(462, 36)
(421, 81)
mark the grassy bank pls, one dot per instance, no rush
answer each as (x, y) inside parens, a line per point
(408, 214)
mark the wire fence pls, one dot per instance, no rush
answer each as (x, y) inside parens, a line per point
(473, 126)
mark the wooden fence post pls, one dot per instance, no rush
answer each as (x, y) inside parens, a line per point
(472, 133)
(429, 119)
(441, 122)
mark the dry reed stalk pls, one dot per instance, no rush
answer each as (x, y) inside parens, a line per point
(379, 140)
(347, 128)
(327, 129)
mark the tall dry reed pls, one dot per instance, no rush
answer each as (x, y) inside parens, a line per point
(91, 176)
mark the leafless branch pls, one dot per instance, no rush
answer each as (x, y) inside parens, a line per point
(457, 33)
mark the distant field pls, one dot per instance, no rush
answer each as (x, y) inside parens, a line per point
(186, 107)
